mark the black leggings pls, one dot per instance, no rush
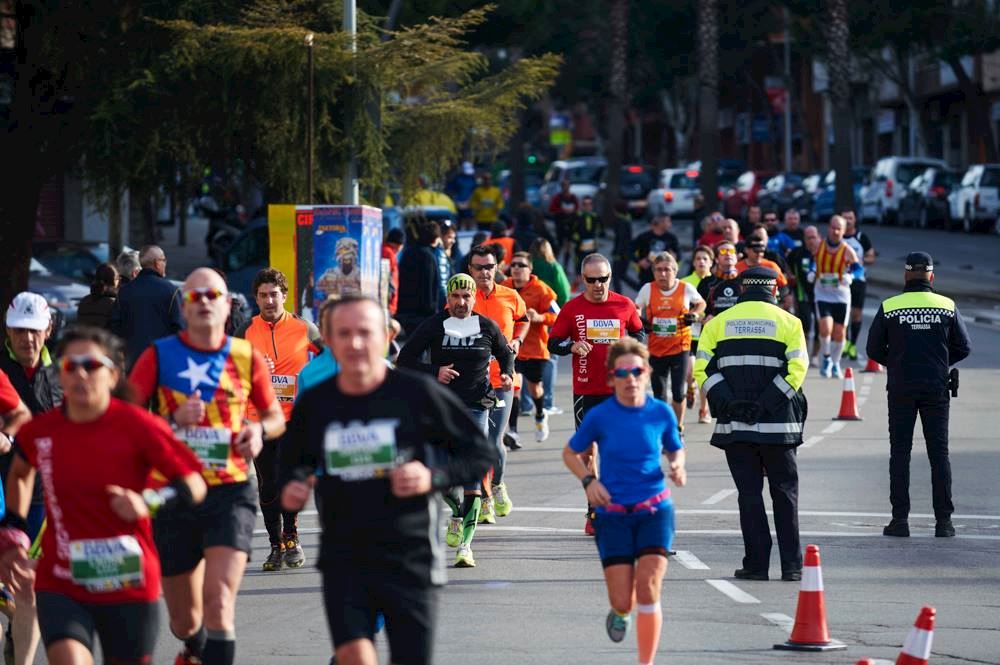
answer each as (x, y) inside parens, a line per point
(675, 369)
(127, 631)
(266, 465)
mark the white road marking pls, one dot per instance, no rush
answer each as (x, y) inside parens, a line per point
(690, 561)
(861, 401)
(865, 390)
(727, 511)
(834, 427)
(783, 621)
(868, 380)
(812, 441)
(734, 592)
(718, 496)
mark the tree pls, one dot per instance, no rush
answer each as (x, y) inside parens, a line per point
(708, 98)
(617, 103)
(839, 68)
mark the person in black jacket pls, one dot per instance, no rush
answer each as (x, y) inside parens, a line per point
(621, 252)
(148, 307)
(918, 335)
(96, 307)
(420, 292)
(652, 242)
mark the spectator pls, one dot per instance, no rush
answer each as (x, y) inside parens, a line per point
(128, 266)
(443, 259)
(713, 231)
(563, 209)
(390, 252)
(485, 202)
(621, 252)
(545, 267)
(460, 190)
(95, 308)
(148, 307)
(449, 242)
(656, 240)
(420, 292)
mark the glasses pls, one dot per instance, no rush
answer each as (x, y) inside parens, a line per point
(519, 265)
(209, 292)
(728, 250)
(624, 372)
(757, 246)
(594, 280)
(483, 266)
(770, 219)
(86, 361)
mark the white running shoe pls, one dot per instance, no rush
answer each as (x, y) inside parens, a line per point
(542, 428)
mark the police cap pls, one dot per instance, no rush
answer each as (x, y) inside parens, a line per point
(919, 262)
(761, 277)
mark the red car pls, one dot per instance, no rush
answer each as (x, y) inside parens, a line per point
(743, 193)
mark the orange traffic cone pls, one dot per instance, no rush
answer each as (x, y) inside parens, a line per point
(917, 647)
(848, 400)
(809, 632)
(872, 367)
(865, 661)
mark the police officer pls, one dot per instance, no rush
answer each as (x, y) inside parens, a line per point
(751, 363)
(918, 335)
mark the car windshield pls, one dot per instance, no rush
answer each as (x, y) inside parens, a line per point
(75, 264)
(944, 179)
(643, 178)
(36, 268)
(582, 175)
(991, 178)
(907, 172)
(682, 181)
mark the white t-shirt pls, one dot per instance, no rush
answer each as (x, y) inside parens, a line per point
(691, 295)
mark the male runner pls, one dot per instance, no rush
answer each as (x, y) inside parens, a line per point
(202, 381)
(721, 289)
(802, 264)
(287, 343)
(865, 250)
(385, 441)
(834, 261)
(461, 344)
(586, 327)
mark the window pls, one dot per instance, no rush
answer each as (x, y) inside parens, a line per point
(991, 178)
(682, 181)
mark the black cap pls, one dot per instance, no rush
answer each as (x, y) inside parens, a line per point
(759, 276)
(395, 236)
(919, 262)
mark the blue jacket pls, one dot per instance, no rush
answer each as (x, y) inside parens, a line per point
(147, 309)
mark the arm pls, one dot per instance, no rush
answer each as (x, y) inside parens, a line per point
(958, 341)
(19, 484)
(502, 352)
(877, 346)
(296, 463)
(784, 387)
(677, 472)
(143, 377)
(12, 421)
(560, 337)
(706, 371)
(176, 322)
(416, 345)
(634, 326)
(315, 339)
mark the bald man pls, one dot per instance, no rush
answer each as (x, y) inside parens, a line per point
(201, 381)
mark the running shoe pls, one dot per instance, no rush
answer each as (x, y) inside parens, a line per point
(617, 625)
(690, 397)
(501, 501)
(274, 560)
(454, 536)
(851, 350)
(588, 528)
(187, 658)
(837, 373)
(486, 514)
(512, 440)
(553, 411)
(705, 419)
(294, 557)
(542, 428)
(826, 371)
(463, 558)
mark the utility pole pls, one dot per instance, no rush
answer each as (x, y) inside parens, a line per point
(311, 101)
(351, 195)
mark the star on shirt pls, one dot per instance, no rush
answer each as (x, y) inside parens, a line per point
(196, 374)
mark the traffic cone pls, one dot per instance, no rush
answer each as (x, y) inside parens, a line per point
(872, 367)
(848, 400)
(917, 647)
(809, 632)
(865, 661)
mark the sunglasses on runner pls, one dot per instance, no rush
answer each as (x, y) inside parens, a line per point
(624, 372)
(726, 250)
(209, 292)
(519, 265)
(483, 266)
(87, 362)
(594, 280)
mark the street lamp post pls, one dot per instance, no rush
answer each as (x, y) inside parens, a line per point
(311, 102)
(351, 194)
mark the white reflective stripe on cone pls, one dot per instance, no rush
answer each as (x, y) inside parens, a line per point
(918, 643)
(812, 578)
(849, 385)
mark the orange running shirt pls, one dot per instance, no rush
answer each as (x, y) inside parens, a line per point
(539, 296)
(505, 307)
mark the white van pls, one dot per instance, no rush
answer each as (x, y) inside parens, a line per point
(976, 201)
(887, 185)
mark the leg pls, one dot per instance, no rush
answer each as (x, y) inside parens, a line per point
(350, 612)
(183, 596)
(678, 378)
(224, 568)
(24, 626)
(621, 587)
(67, 628)
(128, 632)
(68, 652)
(934, 419)
(745, 467)
(498, 424)
(178, 536)
(902, 418)
(410, 619)
(649, 622)
(783, 483)
(658, 377)
(549, 380)
(267, 491)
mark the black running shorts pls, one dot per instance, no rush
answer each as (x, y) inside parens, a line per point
(836, 310)
(673, 368)
(584, 403)
(531, 369)
(127, 631)
(225, 518)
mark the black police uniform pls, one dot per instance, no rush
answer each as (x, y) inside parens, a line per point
(918, 335)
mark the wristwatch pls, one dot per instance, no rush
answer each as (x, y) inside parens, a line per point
(586, 480)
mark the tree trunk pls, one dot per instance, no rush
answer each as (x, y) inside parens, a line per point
(708, 100)
(19, 194)
(515, 157)
(617, 84)
(115, 231)
(840, 89)
(977, 105)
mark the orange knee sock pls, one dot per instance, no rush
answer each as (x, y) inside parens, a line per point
(647, 631)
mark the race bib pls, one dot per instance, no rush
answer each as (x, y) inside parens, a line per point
(568, 207)
(106, 564)
(284, 386)
(588, 245)
(603, 331)
(664, 326)
(830, 280)
(360, 451)
(751, 328)
(210, 444)
(696, 329)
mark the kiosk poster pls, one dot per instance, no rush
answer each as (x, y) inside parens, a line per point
(346, 249)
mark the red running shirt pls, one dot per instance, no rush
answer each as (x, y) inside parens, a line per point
(9, 399)
(601, 324)
(91, 555)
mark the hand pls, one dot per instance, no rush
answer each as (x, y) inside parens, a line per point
(250, 440)
(689, 319)
(534, 316)
(846, 279)
(190, 412)
(678, 474)
(446, 374)
(514, 345)
(270, 363)
(581, 348)
(17, 569)
(295, 494)
(5, 444)
(126, 504)
(506, 382)
(743, 411)
(410, 479)
(597, 493)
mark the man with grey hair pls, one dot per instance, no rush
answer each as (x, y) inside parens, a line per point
(147, 307)
(128, 265)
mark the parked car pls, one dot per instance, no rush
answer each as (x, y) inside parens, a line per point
(532, 187)
(635, 184)
(975, 201)
(886, 185)
(728, 170)
(744, 192)
(245, 256)
(62, 294)
(783, 192)
(925, 202)
(77, 261)
(584, 175)
(825, 198)
(676, 193)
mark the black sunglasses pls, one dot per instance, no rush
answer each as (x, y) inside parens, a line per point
(594, 280)
(483, 266)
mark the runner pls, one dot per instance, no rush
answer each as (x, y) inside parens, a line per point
(508, 311)
(802, 264)
(533, 356)
(834, 262)
(100, 572)
(461, 344)
(635, 514)
(407, 437)
(584, 228)
(756, 255)
(670, 309)
(287, 343)
(701, 263)
(721, 289)
(586, 327)
(865, 250)
(205, 551)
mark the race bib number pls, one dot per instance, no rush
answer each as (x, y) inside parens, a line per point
(284, 386)
(751, 328)
(210, 444)
(830, 280)
(106, 564)
(603, 331)
(360, 451)
(588, 245)
(664, 326)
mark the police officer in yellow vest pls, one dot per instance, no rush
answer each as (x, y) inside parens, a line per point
(751, 363)
(918, 335)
